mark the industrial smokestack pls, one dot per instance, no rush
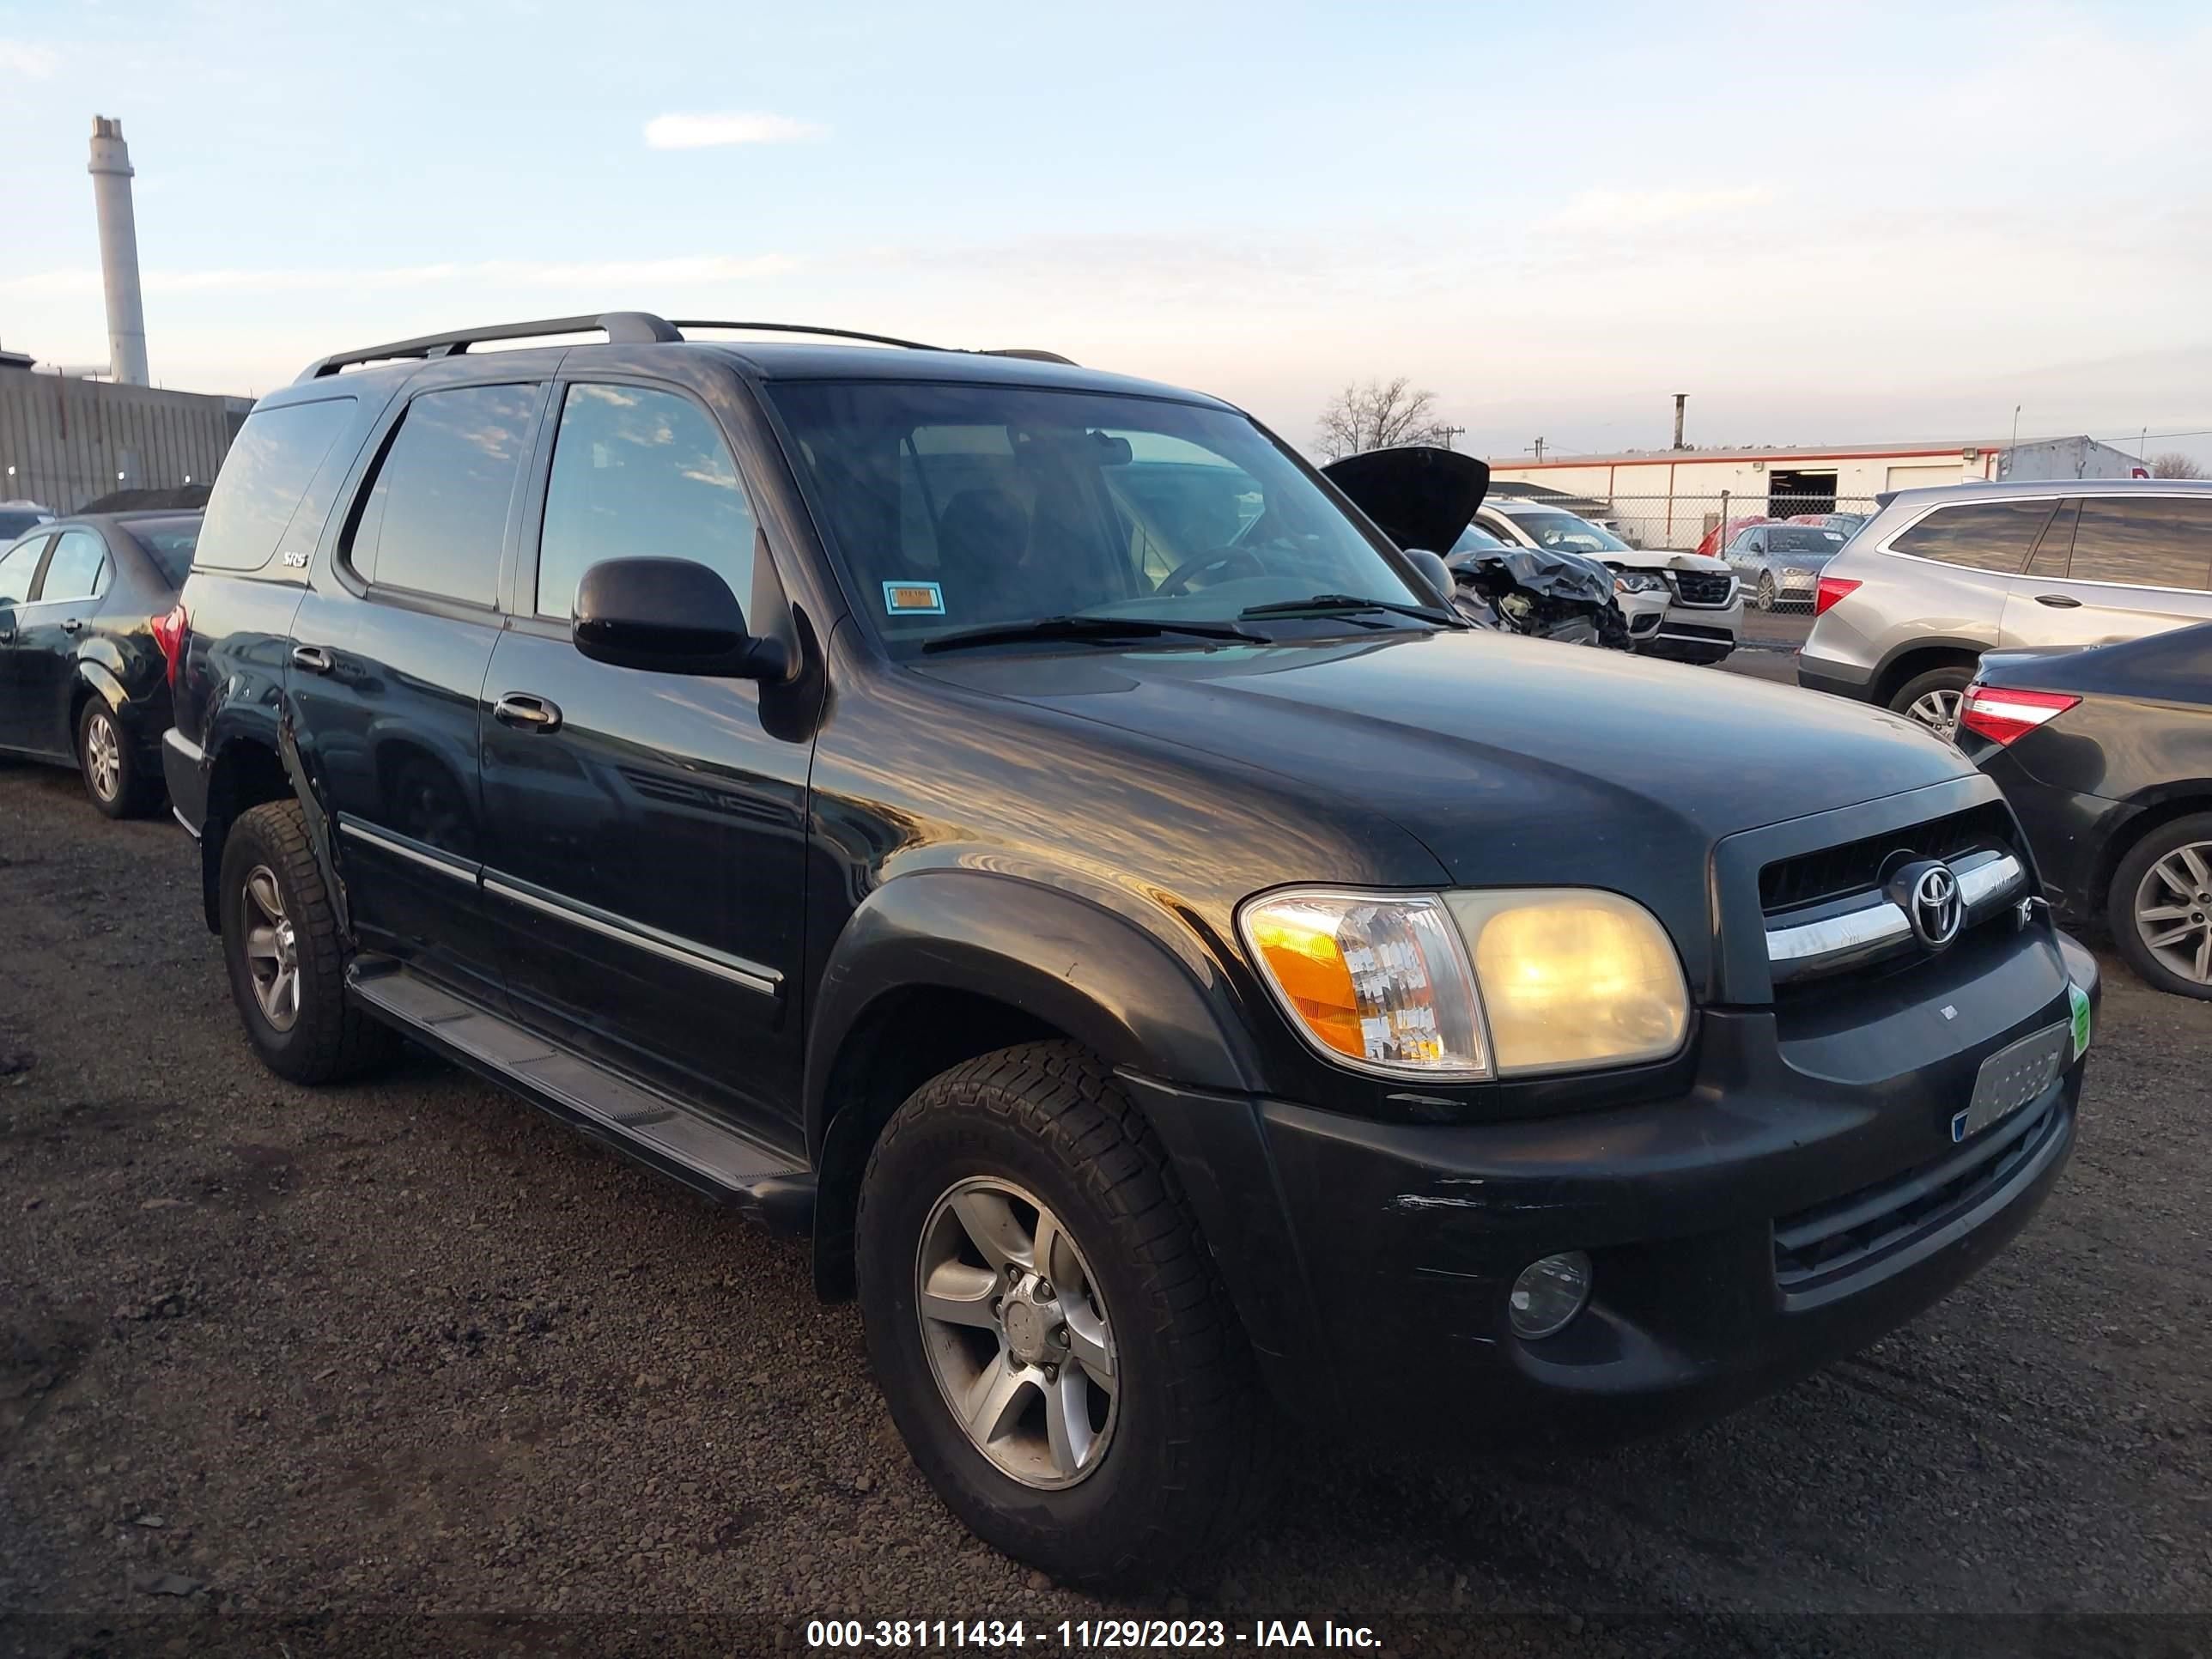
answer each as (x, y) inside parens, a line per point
(1680, 398)
(119, 251)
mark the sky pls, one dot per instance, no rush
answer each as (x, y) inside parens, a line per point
(1826, 223)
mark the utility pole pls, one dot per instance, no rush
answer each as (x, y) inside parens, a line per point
(1539, 449)
(1449, 433)
(1681, 398)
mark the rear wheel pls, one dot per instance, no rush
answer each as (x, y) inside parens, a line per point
(1933, 699)
(1047, 1326)
(119, 785)
(286, 957)
(2160, 906)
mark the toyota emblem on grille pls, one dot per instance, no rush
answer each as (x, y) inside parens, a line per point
(1929, 895)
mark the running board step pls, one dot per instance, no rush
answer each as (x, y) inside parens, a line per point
(674, 1138)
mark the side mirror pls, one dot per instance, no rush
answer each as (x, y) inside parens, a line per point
(1437, 573)
(673, 617)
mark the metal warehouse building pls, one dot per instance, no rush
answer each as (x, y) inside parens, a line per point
(65, 442)
(1671, 497)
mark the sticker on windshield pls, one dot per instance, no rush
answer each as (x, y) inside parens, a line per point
(914, 599)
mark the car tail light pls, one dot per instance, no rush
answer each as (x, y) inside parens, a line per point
(169, 635)
(2002, 714)
(1832, 589)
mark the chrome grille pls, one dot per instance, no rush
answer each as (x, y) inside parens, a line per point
(1702, 586)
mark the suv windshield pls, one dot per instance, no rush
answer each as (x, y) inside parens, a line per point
(1555, 529)
(959, 507)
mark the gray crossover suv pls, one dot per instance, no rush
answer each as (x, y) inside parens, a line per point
(1941, 575)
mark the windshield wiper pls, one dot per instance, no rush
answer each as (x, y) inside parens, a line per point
(1345, 604)
(1104, 630)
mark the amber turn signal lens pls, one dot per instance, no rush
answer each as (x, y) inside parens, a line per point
(1382, 982)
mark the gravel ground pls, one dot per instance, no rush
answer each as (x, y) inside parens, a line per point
(408, 1367)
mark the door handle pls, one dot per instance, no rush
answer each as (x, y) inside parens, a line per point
(2058, 601)
(71, 626)
(312, 658)
(526, 713)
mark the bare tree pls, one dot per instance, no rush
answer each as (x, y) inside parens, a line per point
(2174, 464)
(1379, 414)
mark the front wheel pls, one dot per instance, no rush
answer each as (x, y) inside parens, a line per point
(1047, 1326)
(1764, 599)
(2160, 906)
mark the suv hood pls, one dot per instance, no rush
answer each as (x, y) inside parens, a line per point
(1418, 495)
(1660, 559)
(1515, 761)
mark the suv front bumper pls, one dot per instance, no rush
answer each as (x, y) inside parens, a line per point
(1373, 1262)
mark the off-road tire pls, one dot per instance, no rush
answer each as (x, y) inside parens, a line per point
(1187, 1467)
(331, 1040)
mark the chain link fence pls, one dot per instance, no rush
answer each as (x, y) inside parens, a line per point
(1686, 523)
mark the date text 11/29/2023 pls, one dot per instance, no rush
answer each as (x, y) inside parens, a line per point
(1083, 1635)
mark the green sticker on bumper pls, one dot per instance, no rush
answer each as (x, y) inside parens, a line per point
(2078, 998)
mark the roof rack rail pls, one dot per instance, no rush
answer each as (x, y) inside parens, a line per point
(802, 328)
(621, 328)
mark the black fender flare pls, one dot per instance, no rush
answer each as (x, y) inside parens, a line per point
(1151, 1000)
(1152, 1004)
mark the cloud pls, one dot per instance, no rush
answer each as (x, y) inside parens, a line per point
(511, 273)
(21, 57)
(1632, 210)
(734, 127)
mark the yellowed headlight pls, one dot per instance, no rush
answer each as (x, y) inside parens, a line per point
(1571, 977)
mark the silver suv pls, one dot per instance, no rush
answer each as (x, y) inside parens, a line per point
(1939, 576)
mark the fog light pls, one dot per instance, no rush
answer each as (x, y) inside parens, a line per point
(1549, 1293)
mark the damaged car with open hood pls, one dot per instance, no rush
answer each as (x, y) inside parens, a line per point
(1424, 500)
(1026, 832)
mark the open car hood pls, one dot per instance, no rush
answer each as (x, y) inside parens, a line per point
(1418, 495)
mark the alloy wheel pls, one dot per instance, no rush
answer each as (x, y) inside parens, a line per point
(272, 953)
(103, 757)
(1939, 711)
(1017, 1334)
(2173, 911)
(1765, 592)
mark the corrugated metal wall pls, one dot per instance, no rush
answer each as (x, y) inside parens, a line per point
(67, 439)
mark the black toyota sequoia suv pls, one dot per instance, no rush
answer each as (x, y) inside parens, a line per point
(1176, 973)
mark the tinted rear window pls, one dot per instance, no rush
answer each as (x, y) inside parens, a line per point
(434, 517)
(2153, 541)
(1993, 536)
(169, 546)
(267, 472)
(14, 521)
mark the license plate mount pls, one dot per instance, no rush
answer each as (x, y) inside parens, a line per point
(2012, 1077)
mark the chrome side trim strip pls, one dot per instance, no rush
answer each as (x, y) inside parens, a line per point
(399, 850)
(736, 970)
